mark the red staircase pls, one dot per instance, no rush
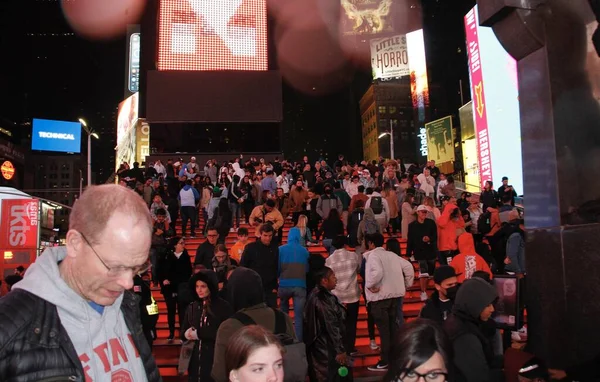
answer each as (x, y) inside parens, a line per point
(167, 353)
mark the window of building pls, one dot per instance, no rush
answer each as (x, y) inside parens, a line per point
(53, 176)
(404, 135)
(393, 109)
(65, 167)
(382, 109)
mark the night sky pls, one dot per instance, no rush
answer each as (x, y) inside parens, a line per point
(47, 71)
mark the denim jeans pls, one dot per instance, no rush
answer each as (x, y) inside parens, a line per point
(400, 312)
(327, 244)
(298, 296)
(236, 214)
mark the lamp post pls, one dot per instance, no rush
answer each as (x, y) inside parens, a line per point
(90, 133)
(391, 134)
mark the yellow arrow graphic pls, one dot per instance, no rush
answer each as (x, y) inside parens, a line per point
(479, 95)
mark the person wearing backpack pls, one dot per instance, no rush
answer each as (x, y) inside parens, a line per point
(324, 320)
(221, 220)
(367, 226)
(380, 208)
(246, 296)
(354, 220)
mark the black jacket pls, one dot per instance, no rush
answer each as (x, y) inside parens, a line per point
(432, 310)
(206, 324)
(34, 346)
(205, 254)
(264, 260)
(416, 246)
(473, 352)
(324, 333)
(177, 271)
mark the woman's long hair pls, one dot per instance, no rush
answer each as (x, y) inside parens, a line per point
(223, 206)
(302, 223)
(393, 245)
(416, 342)
(246, 341)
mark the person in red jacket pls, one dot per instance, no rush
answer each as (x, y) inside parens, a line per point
(468, 261)
(450, 225)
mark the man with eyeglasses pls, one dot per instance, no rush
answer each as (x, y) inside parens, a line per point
(73, 317)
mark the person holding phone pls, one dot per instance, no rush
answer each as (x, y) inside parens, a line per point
(202, 320)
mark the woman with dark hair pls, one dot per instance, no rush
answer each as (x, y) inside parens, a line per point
(408, 214)
(392, 199)
(423, 354)
(254, 354)
(174, 274)
(249, 202)
(202, 320)
(221, 220)
(331, 227)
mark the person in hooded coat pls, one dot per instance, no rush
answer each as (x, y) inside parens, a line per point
(468, 330)
(468, 261)
(202, 320)
(325, 329)
(367, 226)
(245, 294)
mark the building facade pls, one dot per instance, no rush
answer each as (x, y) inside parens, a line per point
(384, 105)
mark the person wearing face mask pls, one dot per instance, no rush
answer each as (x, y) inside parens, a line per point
(297, 198)
(439, 306)
(327, 202)
(474, 357)
(202, 320)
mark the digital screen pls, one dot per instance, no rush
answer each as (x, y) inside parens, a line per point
(126, 130)
(389, 57)
(134, 63)
(48, 135)
(495, 94)
(507, 309)
(212, 35)
(365, 17)
(419, 84)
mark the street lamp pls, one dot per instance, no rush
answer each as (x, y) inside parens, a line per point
(391, 134)
(90, 133)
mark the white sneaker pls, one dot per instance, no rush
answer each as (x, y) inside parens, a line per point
(232, 230)
(424, 296)
(412, 258)
(374, 345)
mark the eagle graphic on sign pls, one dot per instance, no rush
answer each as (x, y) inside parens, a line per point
(367, 21)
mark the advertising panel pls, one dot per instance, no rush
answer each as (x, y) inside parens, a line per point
(20, 224)
(212, 35)
(47, 216)
(366, 17)
(132, 60)
(142, 141)
(469, 147)
(126, 122)
(495, 94)
(389, 57)
(419, 85)
(440, 140)
(48, 135)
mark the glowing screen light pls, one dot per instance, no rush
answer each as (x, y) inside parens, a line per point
(212, 35)
(419, 84)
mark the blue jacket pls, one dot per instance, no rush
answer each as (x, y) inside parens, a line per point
(293, 261)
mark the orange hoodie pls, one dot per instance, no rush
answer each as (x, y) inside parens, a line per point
(468, 261)
(447, 229)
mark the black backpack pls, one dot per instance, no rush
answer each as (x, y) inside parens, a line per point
(295, 364)
(484, 223)
(377, 204)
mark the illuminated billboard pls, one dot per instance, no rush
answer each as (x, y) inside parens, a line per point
(495, 94)
(126, 130)
(61, 136)
(212, 35)
(389, 57)
(440, 140)
(419, 84)
(366, 17)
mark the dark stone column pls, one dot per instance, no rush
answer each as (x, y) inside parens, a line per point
(560, 132)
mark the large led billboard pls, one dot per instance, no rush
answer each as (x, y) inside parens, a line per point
(61, 136)
(212, 35)
(419, 85)
(366, 17)
(126, 130)
(389, 57)
(495, 94)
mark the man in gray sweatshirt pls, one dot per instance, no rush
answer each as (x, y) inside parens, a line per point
(72, 317)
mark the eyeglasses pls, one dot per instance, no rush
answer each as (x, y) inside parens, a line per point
(413, 376)
(119, 270)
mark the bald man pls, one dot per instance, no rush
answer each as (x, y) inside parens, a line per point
(73, 317)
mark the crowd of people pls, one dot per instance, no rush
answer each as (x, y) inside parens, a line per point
(226, 299)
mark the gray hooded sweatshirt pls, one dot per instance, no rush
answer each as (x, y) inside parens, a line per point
(103, 342)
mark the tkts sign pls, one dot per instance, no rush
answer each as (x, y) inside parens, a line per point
(19, 224)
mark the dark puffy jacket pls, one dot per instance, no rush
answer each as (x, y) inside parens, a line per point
(34, 346)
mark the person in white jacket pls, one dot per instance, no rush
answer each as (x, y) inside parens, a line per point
(383, 217)
(427, 182)
(387, 277)
(239, 171)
